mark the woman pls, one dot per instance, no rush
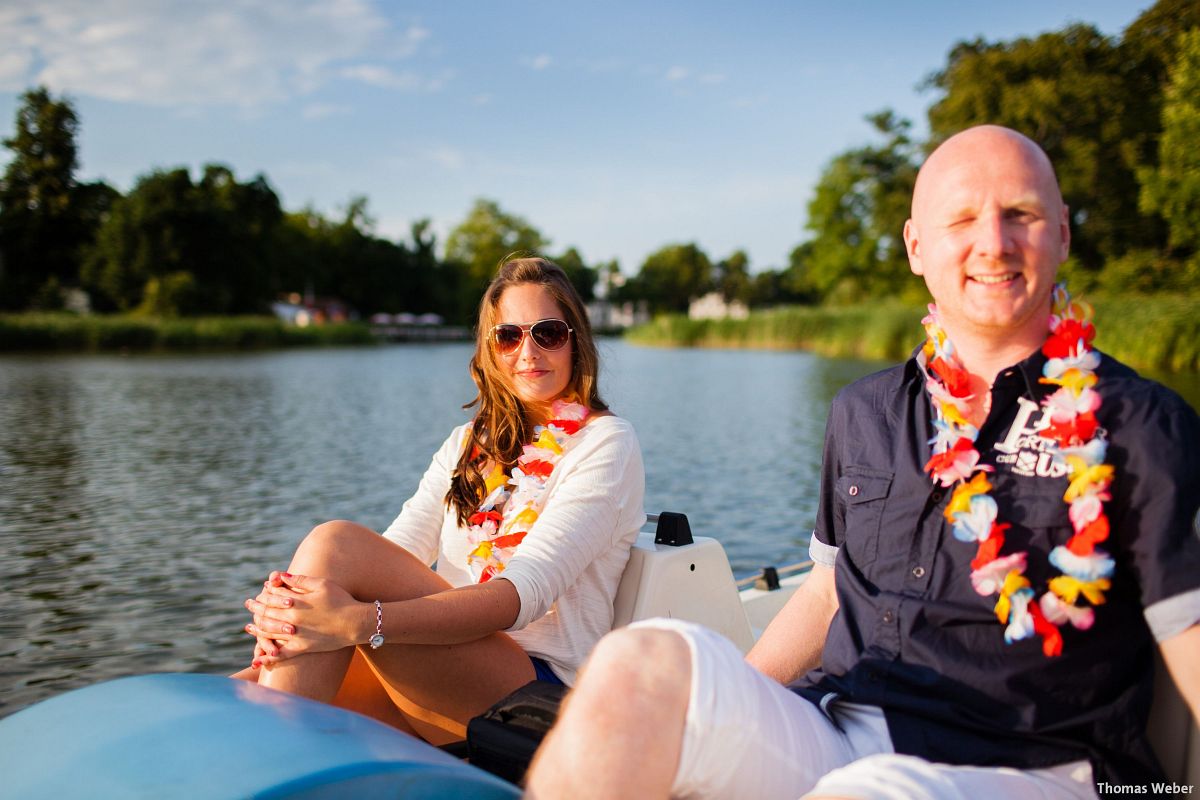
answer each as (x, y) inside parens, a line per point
(529, 511)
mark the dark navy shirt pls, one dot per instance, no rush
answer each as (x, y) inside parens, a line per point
(912, 635)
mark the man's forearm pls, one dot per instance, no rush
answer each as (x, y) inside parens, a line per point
(792, 644)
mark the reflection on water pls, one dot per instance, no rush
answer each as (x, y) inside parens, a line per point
(142, 499)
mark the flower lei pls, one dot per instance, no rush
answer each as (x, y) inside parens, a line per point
(1078, 442)
(506, 514)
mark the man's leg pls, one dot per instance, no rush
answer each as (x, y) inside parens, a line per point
(621, 729)
(896, 777)
(668, 708)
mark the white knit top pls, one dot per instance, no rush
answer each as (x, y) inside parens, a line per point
(567, 568)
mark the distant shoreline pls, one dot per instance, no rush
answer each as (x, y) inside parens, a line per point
(34, 332)
(1150, 332)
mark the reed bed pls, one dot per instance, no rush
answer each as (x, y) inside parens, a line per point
(49, 332)
(1151, 332)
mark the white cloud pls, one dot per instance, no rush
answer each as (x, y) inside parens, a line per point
(677, 73)
(382, 77)
(447, 157)
(178, 53)
(537, 62)
(323, 110)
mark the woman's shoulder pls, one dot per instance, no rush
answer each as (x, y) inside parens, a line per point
(609, 423)
(605, 431)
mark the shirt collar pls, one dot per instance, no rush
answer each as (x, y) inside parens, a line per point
(1029, 370)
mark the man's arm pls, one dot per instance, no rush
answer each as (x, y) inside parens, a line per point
(1182, 654)
(792, 644)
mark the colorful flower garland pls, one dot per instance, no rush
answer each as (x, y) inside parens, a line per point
(1078, 442)
(506, 515)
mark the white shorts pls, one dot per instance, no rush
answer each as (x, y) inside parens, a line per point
(747, 736)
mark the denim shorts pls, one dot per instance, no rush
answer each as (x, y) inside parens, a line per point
(543, 672)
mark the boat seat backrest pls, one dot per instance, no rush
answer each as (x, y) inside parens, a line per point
(691, 582)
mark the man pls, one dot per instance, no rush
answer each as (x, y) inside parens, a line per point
(990, 578)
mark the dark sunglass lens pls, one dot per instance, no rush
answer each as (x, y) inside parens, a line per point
(550, 334)
(508, 338)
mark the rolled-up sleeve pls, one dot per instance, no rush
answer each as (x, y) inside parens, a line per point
(831, 515)
(1156, 495)
(594, 512)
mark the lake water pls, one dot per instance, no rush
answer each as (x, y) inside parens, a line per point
(143, 498)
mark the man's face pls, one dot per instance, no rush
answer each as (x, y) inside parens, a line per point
(988, 233)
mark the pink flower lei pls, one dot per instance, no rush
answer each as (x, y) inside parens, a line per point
(1078, 442)
(513, 502)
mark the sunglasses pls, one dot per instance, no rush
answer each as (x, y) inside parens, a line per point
(548, 334)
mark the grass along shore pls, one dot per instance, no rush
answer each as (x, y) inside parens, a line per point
(61, 332)
(1152, 332)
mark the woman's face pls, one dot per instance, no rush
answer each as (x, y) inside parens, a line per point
(537, 376)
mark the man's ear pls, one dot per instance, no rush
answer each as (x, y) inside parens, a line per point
(912, 246)
(1065, 230)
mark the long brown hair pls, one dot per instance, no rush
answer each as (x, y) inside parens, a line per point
(503, 423)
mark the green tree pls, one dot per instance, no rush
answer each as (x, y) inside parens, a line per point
(46, 217)
(732, 277)
(476, 247)
(1172, 189)
(582, 277)
(857, 219)
(177, 246)
(671, 277)
(1071, 92)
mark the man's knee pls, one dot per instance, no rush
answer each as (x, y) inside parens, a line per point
(642, 666)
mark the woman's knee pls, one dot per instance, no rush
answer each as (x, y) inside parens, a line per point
(330, 543)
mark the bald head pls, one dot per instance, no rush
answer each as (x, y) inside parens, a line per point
(988, 232)
(975, 150)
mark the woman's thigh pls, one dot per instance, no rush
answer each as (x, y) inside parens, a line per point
(364, 563)
(436, 686)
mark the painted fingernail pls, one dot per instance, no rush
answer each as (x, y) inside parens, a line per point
(286, 574)
(287, 601)
(288, 629)
(256, 663)
(249, 629)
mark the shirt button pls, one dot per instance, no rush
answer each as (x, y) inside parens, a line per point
(854, 491)
(888, 616)
(918, 571)
(937, 497)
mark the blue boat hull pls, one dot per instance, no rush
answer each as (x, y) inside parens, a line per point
(215, 737)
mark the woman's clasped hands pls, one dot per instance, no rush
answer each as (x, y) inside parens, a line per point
(295, 614)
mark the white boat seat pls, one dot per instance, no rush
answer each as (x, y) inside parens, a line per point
(689, 581)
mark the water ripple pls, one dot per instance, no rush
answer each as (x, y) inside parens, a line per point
(144, 498)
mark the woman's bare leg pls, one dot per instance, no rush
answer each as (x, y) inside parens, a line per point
(438, 688)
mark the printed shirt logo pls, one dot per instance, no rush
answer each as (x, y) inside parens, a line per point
(1024, 450)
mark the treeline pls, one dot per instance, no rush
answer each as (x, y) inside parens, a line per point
(178, 245)
(1119, 117)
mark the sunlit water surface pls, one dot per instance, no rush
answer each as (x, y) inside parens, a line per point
(143, 498)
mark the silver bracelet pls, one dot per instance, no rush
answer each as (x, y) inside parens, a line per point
(376, 641)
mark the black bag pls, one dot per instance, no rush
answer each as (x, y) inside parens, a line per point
(502, 739)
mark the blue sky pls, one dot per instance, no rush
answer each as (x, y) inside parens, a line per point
(615, 128)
